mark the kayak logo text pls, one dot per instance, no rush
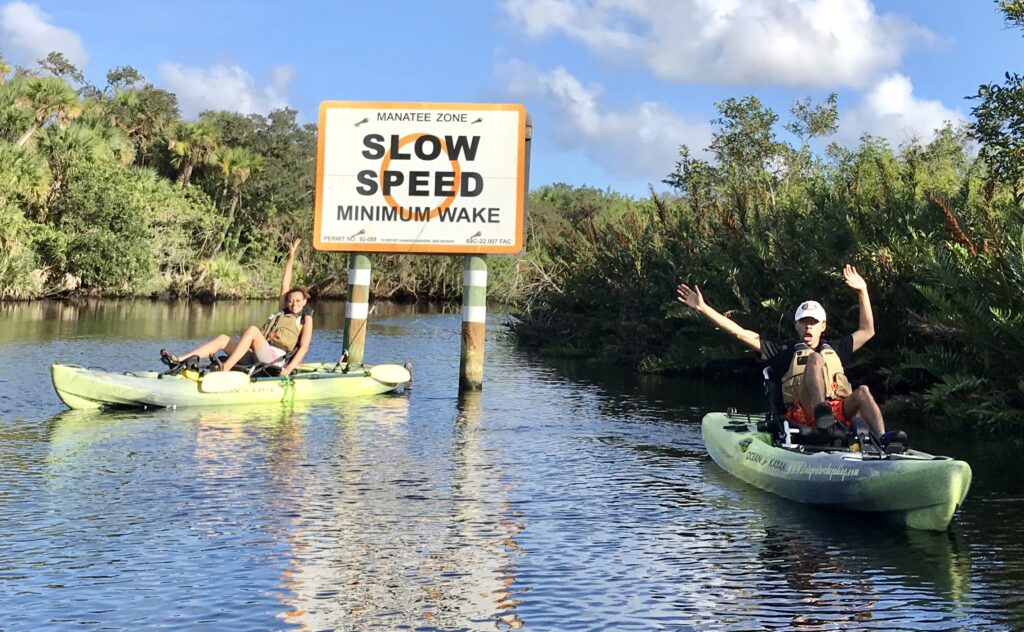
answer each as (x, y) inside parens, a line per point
(757, 457)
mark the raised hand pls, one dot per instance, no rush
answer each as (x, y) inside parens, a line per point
(693, 297)
(854, 279)
(292, 247)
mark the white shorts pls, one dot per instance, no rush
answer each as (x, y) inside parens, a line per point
(270, 354)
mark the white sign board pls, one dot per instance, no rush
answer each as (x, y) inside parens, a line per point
(420, 178)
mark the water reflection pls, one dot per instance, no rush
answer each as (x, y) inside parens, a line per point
(556, 499)
(496, 551)
(817, 566)
(104, 318)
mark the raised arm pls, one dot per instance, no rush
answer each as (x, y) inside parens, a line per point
(866, 329)
(286, 278)
(695, 299)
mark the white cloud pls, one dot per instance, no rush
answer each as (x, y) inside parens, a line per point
(820, 43)
(641, 143)
(26, 35)
(890, 109)
(224, 87)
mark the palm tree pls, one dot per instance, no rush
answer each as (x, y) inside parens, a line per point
(116, 145)
(235, 166)
(142, 114)
(14, 120)
(24, 175)
(5, 69)
(47, 97)
(65, 149)
(192, 145)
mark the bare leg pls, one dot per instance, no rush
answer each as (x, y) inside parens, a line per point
(812, 388)
(220, 343)
(253, 339)
(862, 403)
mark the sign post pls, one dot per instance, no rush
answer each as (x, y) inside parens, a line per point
(357, 309)
(423, 178)
(474, 320)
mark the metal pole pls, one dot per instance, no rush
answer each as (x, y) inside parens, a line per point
(474, 319)
(357, 308)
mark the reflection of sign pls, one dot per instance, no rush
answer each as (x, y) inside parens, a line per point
(420, 177)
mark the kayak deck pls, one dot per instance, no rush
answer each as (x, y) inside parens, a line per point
(915, 489)
(79, 387)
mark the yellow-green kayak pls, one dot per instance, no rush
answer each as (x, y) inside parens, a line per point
(79, 387)
(915, 489)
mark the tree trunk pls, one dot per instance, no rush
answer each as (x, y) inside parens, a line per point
(232, 207)
(28, 133)
(185, 175)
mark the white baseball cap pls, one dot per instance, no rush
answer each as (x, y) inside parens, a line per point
(810, 309)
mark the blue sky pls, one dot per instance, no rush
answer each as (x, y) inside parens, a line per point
(614, 86)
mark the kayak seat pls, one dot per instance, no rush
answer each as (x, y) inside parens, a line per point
(776, 423)
(250, 365)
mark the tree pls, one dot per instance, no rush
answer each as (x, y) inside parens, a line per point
(59, 66)
(123, 77)
(1013, 11)
(192, 145)
(748, 154)
(24, 176)
(235, 166)
(47, 97)
(64, 149)
(999, 118)
(814, 121)
(5, 69)
(143, 114)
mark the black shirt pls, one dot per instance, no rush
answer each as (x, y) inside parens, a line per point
(779, 354)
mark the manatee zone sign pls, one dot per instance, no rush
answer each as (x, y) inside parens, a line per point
(443, 178)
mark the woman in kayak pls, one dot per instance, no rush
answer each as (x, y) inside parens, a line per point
(815, 389)
(283, 331)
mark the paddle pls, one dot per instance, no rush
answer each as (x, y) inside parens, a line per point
(390, 373)
(222, 381)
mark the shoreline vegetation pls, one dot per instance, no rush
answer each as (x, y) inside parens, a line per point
(108, 192)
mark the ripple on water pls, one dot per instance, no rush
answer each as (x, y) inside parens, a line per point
(557, 499)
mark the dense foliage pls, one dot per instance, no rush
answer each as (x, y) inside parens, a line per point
(937, 228)
(108, 191)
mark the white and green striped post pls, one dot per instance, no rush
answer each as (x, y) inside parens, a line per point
(474, 319)
(357, 309)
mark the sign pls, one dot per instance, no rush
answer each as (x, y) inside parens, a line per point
(443, 178)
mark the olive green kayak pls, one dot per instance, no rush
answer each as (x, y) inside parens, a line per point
(914, 489)
(79, 387)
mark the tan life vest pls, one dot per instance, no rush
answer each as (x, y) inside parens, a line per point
(836, 384)
(282, 330)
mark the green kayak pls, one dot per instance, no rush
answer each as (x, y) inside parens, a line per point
(915, 489)
(79, 387)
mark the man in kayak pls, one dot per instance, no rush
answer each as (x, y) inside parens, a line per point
(291, 328)
(815, 389)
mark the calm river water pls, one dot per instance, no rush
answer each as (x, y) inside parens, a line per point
(558, 499)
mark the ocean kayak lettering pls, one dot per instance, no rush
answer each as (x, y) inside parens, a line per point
(830, 471)
(761, 459)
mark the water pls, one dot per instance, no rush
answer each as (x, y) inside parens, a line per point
(561, 498)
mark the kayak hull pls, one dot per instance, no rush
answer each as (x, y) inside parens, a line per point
(79, 387)
(915, 489)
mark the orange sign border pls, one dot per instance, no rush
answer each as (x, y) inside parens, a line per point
(447, 249)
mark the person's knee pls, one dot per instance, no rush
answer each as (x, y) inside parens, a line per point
(815, 366)
(862, 394)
